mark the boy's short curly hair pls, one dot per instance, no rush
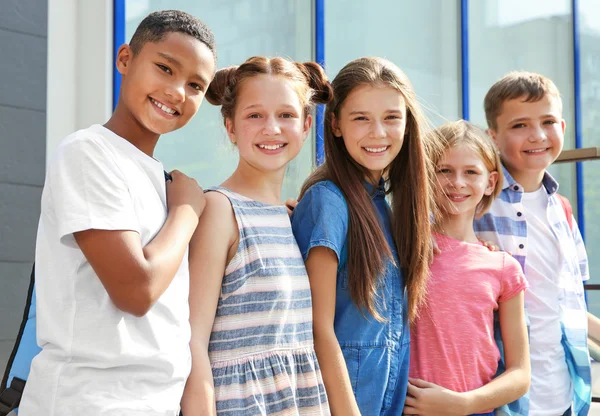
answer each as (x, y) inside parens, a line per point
(156, 25)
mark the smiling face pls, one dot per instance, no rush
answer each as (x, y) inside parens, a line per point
(529, 135)
(463, 181)
(269, 125)
(372, 123)
(164, 83)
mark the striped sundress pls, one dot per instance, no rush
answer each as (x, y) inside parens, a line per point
(261, 346)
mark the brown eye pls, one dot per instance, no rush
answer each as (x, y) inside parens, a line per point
(164, 68)
(197, 87)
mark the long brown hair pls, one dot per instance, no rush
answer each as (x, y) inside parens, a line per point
(309, 80)
(409, 178)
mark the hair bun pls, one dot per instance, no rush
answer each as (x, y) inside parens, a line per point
(318, 82)
(223, 79)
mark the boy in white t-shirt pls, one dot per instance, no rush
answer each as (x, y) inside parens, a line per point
(111, 254)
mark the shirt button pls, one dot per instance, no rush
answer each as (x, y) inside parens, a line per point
(516, 188)
(521, 246)
(519, 214)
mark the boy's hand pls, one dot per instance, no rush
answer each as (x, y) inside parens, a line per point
(489, 244)
(183, 190)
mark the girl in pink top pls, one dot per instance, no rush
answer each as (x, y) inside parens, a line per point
(454, 357)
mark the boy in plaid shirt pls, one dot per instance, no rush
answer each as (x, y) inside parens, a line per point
(529, 219)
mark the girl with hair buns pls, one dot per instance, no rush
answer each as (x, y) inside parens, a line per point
(367, 267)
(250, 302)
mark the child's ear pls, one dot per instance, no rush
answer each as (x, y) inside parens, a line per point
(494, 135)
(335, 126)
(307, 125)
(491, 185)
(230, 130)
(563, 125)
(124, 56)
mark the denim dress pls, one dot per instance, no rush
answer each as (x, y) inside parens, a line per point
(376, 353)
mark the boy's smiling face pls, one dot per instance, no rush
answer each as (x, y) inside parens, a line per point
(164, 84)
(529, 136)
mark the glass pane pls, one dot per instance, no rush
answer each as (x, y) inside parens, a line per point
(510, 35)
(589, 26)
(532, 35)
(589, 11)
(242, 28)
(422, 38)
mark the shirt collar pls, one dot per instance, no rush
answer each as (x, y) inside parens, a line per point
(548, 181)
(375, 191)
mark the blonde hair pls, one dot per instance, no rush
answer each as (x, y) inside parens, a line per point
(529, 86)
(463, 133)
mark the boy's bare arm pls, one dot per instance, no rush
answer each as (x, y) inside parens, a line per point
(135, 276)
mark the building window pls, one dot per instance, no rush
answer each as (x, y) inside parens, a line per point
(589, 64)
(422, 38)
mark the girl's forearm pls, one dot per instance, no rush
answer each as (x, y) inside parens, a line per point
(506, 388)
(335, 376)
(199, 394)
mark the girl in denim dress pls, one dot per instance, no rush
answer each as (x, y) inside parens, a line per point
(367, 268)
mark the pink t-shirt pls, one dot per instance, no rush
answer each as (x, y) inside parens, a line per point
(452, 341)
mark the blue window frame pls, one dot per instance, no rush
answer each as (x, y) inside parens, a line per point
(118, 40)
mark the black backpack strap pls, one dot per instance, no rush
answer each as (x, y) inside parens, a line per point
(10, 396)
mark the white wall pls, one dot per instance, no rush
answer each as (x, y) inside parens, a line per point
(80, 50)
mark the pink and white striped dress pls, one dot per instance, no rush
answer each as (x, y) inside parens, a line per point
(261, 347)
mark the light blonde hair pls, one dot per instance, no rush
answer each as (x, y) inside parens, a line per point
(463, 133)
(529, 86)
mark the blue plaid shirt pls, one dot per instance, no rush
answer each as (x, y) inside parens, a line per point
(505, 225)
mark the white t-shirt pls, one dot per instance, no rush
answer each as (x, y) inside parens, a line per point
(96, 359)
(551, 390)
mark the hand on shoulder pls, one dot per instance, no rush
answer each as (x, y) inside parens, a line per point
(184, 191)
